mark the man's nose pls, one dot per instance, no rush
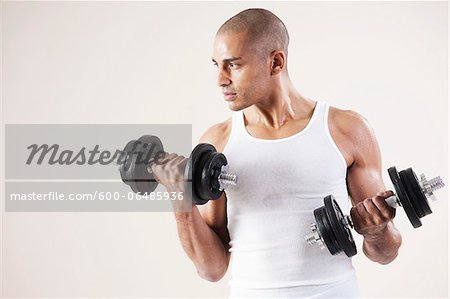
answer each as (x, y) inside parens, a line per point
(223, 78)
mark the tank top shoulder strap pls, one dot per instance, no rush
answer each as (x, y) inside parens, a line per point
(318, 119)
(239, 121)
(237, 127)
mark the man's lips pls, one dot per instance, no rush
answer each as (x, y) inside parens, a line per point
(229, 96)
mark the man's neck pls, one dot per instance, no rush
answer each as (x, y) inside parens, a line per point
(280, 108)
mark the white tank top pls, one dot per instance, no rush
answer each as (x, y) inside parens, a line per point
(281, 182)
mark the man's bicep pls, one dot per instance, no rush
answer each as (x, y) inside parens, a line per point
(364, 177)
(364, 182)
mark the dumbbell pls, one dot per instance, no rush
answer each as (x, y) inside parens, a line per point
(206, 174)
(332, 227)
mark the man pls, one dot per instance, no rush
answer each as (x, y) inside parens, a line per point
(290, 152)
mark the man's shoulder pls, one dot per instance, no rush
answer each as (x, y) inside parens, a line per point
(217, 135)
(348, 122)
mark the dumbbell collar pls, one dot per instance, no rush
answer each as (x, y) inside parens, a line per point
(226, 178)
(428, 186)
(315, 236)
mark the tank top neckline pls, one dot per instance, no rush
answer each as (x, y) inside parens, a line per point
(301, 132)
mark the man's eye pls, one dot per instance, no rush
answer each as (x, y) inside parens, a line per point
(215, 64)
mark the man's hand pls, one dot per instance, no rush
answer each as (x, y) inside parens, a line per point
(168, 170)
(371, 216)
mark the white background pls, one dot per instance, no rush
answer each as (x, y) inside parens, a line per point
(136, 62)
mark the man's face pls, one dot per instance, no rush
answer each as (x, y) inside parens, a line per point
(243, 75)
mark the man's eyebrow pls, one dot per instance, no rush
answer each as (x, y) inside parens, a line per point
(227, 59)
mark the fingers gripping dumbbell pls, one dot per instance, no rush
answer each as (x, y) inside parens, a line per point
(206, 174)
(332, 227)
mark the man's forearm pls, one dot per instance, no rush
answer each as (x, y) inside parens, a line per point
(383, 247)
(202, 245)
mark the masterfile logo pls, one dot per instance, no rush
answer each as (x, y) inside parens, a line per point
(79, 167)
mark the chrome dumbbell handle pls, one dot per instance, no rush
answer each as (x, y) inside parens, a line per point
(393, 201)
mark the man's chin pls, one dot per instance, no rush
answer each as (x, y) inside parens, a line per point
(234, 106)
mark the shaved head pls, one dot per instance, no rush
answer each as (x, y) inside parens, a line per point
(264, 31)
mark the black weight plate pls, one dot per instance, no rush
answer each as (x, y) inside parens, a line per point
(202, 180)
(326, 231)
(403, 197)
(192, 172)
(127, 168)
(412, 197)
(148, 148)
(124, 160)
(131, 166)
(211, 169)
(419, 197)
(343, 234)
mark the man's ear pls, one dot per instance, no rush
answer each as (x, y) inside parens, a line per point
(278, 62)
